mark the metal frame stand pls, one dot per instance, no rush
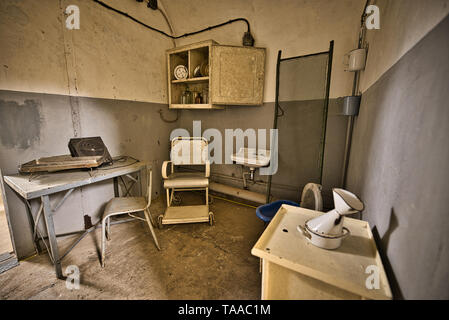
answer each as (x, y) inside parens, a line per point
(48, 213)
(325, 111)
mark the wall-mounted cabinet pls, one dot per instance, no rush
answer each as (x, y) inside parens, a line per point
(216, 76)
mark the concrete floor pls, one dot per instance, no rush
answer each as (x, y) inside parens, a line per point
(197, 261)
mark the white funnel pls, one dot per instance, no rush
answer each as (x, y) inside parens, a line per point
(346, 202)
(331, 223)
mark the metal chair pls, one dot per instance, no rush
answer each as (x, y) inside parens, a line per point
(127, 205)
(186, 151)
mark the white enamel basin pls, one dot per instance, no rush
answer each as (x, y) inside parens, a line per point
(250, 157)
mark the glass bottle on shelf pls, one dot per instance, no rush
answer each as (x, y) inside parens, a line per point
(199, 98)
(188, 96)
(205, 95)
(184, 97)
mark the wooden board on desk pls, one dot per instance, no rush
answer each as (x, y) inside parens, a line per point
(60, 163)
(30, 187)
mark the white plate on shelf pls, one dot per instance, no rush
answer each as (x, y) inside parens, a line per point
(181, 72)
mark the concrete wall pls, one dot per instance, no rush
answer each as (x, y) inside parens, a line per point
(110, 56)
(35, 125)
(402, 24)
(113, 58)
(296, 28)
(57, 83)
(399, 157)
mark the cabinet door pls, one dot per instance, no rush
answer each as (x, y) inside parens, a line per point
(237, 75)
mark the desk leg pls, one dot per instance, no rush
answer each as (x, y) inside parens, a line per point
(52, 236)
(140, 182)
(116, 191)
(36, 242)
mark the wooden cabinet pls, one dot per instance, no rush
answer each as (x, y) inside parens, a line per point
(293, 268)
(222, 75)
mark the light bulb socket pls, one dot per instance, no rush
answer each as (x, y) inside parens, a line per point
(248, 40)
(152, 4)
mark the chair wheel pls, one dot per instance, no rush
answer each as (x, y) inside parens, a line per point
(176, 200)
(159, 221)
(211, 218)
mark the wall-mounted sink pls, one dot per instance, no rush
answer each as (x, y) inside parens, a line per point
(252, 158)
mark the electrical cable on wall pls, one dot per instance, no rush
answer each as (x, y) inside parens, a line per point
(174, 45)
(248, 39)
(168, 24)
(168, 121)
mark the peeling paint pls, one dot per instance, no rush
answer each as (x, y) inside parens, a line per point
(20, 123)
(76, 118)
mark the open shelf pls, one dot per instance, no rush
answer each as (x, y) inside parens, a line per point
(196, 56)
(192, 80)
(194, 106)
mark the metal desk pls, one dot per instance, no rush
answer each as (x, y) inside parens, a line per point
(46, 184)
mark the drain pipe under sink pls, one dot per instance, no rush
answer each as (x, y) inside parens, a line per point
(237, 192)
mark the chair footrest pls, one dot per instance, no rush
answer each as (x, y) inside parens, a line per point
(186, 214)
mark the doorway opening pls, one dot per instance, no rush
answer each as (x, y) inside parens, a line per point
(8, 258)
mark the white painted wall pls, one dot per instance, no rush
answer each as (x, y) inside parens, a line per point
(116, 58)
(296, 27)
(110, 56)
(403, 23)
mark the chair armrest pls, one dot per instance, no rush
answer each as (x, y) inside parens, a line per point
(164, 169)
(207, 165)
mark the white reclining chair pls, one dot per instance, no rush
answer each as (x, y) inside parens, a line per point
(186, 151)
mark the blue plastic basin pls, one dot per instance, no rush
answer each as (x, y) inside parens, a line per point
(267, 211)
